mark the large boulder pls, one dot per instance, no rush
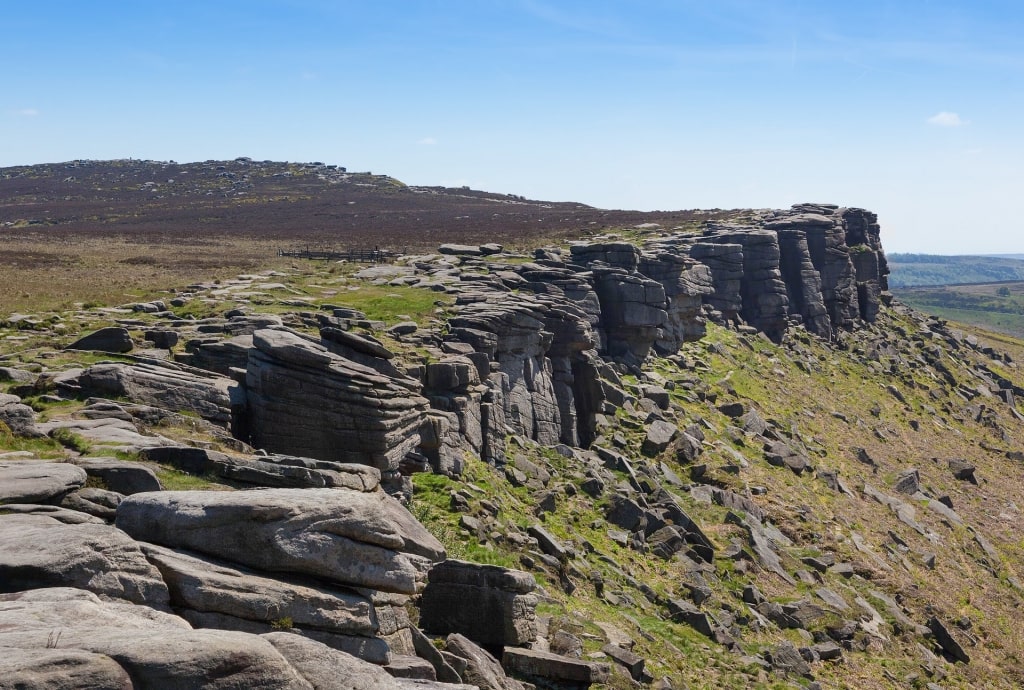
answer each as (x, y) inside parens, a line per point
(202, 584)
(19, 418)
(113, 339)
(166, 386)
(40, 551)
(120, 476)
(304, 400)
(31, 481)
(348, 537)
(150, 648)
(488, 604)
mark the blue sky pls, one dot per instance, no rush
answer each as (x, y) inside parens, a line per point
(911, 108)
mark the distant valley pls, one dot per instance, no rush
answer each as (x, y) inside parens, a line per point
(984, 291)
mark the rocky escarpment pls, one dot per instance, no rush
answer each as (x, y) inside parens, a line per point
(611, 437)
(532, 348)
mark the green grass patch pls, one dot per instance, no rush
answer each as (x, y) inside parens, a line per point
(175, 480)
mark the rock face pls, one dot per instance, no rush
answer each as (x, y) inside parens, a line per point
(632, 305)
(348, 537)
(541, 348)
(725, 263)
(803, 282)
(488, 604)
(686, 284)
(763, 295)
(815, 264)
(304, 400)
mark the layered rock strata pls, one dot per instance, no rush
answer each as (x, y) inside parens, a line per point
(304, 400)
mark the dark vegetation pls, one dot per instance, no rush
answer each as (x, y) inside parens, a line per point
(108, 232)
(291, 203)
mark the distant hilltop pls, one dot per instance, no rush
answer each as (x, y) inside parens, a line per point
(309, 202)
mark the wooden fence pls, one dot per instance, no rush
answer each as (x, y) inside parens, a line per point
(366, 256)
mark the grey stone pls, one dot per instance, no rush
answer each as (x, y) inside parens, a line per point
(323, 667)
(39, 551)
(162, 338)
(624, 657)
(169, 387)
(304, 400)
(206, 585)
(348, 537)
(31, 481)
(536, 664)
(153, 649)
(946, 641)
(488, 604)
(275, 471)
(18, 418)
(659, 435)
(123, 477)
(481, 669)
(112, 339)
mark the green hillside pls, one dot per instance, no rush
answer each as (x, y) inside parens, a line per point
(912, 270)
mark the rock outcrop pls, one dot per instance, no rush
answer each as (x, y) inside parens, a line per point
(304, 400)
(354, 538)
(170, 387)
(488, 604)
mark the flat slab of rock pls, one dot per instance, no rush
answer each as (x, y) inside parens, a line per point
(277, 471)
(152, 649)
(62, 515)
(534, 664)
(39, 551)
(202, 584)
(123, 477)
(349, 537)
(167, 387)
(106, 431)
(27, 481)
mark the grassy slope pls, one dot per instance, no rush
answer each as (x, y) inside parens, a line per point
(803, 386)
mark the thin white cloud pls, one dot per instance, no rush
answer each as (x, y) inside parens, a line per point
(945, 119)
(427, 141)
(28, 112)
